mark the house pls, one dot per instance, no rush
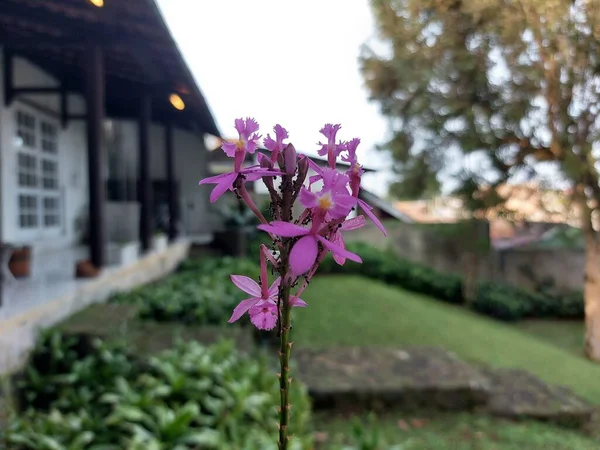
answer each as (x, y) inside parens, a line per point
(529, 211)
(102, 144)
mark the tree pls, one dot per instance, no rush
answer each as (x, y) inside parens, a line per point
(515, 83)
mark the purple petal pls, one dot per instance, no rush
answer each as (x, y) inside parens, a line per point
(284, 229)
(274, 289)
(229, 148)
(297, 302)
(367, 209)
(246, 284)
(240, 126)
(338, 240)
(216, 179)
(280, 132)
(264, 315)
(303, 255)
(242, 307)
(342, 204)
(224, 185)
(338, 250)
(353, 224)
(307, 198)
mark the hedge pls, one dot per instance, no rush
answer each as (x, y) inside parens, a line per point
(493, 299)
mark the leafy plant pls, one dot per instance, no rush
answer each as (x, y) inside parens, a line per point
(189, 397)
(199, 293)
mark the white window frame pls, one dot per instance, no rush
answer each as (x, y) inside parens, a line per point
(39, 191)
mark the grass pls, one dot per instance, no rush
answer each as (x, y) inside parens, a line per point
(350, 310)
(451, 432)
(566, 334)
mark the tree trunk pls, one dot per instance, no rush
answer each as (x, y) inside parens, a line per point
(592, 296)
(470, 263)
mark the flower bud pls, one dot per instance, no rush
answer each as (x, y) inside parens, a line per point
(289, 159)
(302, 166)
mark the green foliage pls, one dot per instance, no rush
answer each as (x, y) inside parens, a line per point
(494, 299)
(199, 293)
(189, 397)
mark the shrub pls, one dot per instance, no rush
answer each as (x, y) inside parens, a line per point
(502, 302)
(199, 293)
(189, 397)
(494, 299)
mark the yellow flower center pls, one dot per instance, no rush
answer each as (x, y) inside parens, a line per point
(325, 202)
(239, 144)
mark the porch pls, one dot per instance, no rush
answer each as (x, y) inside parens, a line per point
(52, 293)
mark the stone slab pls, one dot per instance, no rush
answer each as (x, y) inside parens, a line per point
(417, 378)
(519, 395)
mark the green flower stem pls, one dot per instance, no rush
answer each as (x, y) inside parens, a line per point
(284, 361)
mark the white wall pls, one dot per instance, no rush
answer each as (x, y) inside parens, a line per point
(72, 160)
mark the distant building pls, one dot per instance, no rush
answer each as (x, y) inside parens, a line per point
(526, 215)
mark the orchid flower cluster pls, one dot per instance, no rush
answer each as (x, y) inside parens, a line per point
(300, 243)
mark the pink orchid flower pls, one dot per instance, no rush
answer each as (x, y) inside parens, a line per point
(276, 145)
(225, 181)
(333, 198)
(357, 172)
(246, 143)
(331, 149)
(304, 252)
(262, 305)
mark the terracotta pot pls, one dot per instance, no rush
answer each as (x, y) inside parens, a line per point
(85, 269)
(20, 262)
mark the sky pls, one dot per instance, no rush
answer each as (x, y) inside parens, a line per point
(289, 62)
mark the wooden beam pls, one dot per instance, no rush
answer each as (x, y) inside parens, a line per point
(64, 106)
(8, 77)
(95, 121)
(146, 218)
(37, 90)
(171, 186)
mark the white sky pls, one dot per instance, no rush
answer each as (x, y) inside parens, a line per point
(282, 61)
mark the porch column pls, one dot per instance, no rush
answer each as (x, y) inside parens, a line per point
(146, 219)
(171, 191)
(94, 66)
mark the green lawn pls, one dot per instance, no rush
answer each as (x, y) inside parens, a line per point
(567, 334)
(350, 310)
(449, 432)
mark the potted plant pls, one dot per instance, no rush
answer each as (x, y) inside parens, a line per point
(20, 262)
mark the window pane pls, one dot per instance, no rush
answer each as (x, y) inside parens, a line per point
(49, 138)
(51, 208)
(26, 128)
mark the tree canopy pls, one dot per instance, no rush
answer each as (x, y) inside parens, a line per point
(514, 83)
